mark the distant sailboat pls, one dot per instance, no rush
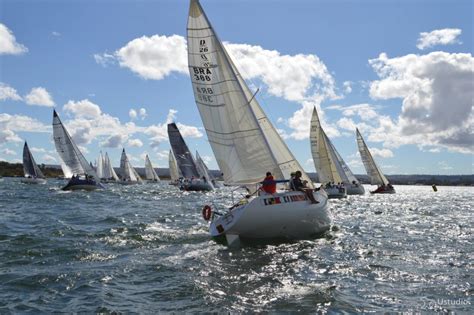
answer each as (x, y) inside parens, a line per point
(205, 170)
(246, 146)
(150, 173)
(72, 161)
(33, 174)
(202, 169)
(175, 174)
(109, 174)
(100, 166)
(329, 165)
(375, 174)
(129, 175)
(192, 180)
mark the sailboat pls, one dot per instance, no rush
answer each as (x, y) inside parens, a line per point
(73, 162)
(246, 146)
(129, 175)
(192, 180)
(33, 174)
(109, 174)
(150, 173)
(332, 170)
(204, 170)
(375, 174)
(100, 166)
(175, 174)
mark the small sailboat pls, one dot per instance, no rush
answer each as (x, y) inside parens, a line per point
(202, 167)
(375, 174)
(108, 172)
(332, 170)
(246, 146)
(73, 163)
(129, 175)
(175, 173)
(192, 180)
(150, 173)
(33, 174)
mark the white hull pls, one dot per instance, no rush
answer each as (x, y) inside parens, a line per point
(264, 218)
(355, 189)
(33, 181)
(336, 193)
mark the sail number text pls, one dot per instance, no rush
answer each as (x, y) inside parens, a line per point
(202, 74)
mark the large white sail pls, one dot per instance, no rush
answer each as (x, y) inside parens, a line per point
(245, 143)
(100, 166)
(375, 174)
(73, 162)
(30, 168)
(174, 172)
(127, 170)
(323, 154)
(150, 171)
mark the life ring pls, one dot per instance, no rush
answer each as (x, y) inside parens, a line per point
(206, 212)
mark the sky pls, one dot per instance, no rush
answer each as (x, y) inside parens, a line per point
(116, 72)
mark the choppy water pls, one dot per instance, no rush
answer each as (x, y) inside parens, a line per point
(146, 249)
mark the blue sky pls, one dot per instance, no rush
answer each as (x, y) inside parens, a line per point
(116, 73)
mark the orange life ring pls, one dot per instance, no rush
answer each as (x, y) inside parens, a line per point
(206, 212)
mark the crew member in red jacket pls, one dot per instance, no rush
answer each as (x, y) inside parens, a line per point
(269, 185)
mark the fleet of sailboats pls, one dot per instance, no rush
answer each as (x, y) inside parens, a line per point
(246, 146)
(375, 174)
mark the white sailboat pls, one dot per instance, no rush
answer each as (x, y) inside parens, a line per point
(246, 146)
(109, 174)
(72, 161)
(33, 174)
(129, 175)
(332, 171)
(205, 170)
(150, 173)
(375, 174)
(100, 166)
(202, 169)
(175, 174)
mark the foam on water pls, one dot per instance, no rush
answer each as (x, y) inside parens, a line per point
(145, 248)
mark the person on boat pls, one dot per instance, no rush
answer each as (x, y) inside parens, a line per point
(300, 185)
(268, 184)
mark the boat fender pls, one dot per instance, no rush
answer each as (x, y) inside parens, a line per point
(206, 212)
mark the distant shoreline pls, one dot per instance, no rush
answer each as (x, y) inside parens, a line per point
(53, 171)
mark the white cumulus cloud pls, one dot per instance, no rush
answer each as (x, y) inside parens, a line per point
(8, 93)
(437, 95)
(132, 113)
(82, 109)
(8, 43)
(39, 96)
(445, 36)
(135, 143)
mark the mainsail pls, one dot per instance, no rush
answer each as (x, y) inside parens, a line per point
(30, 168)
(150, 171)
(184, 158)
(245, 143)
(375, 174)
(328, 163)
(175, 174)
(109, 172)
(127, 170)
(73, 162)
